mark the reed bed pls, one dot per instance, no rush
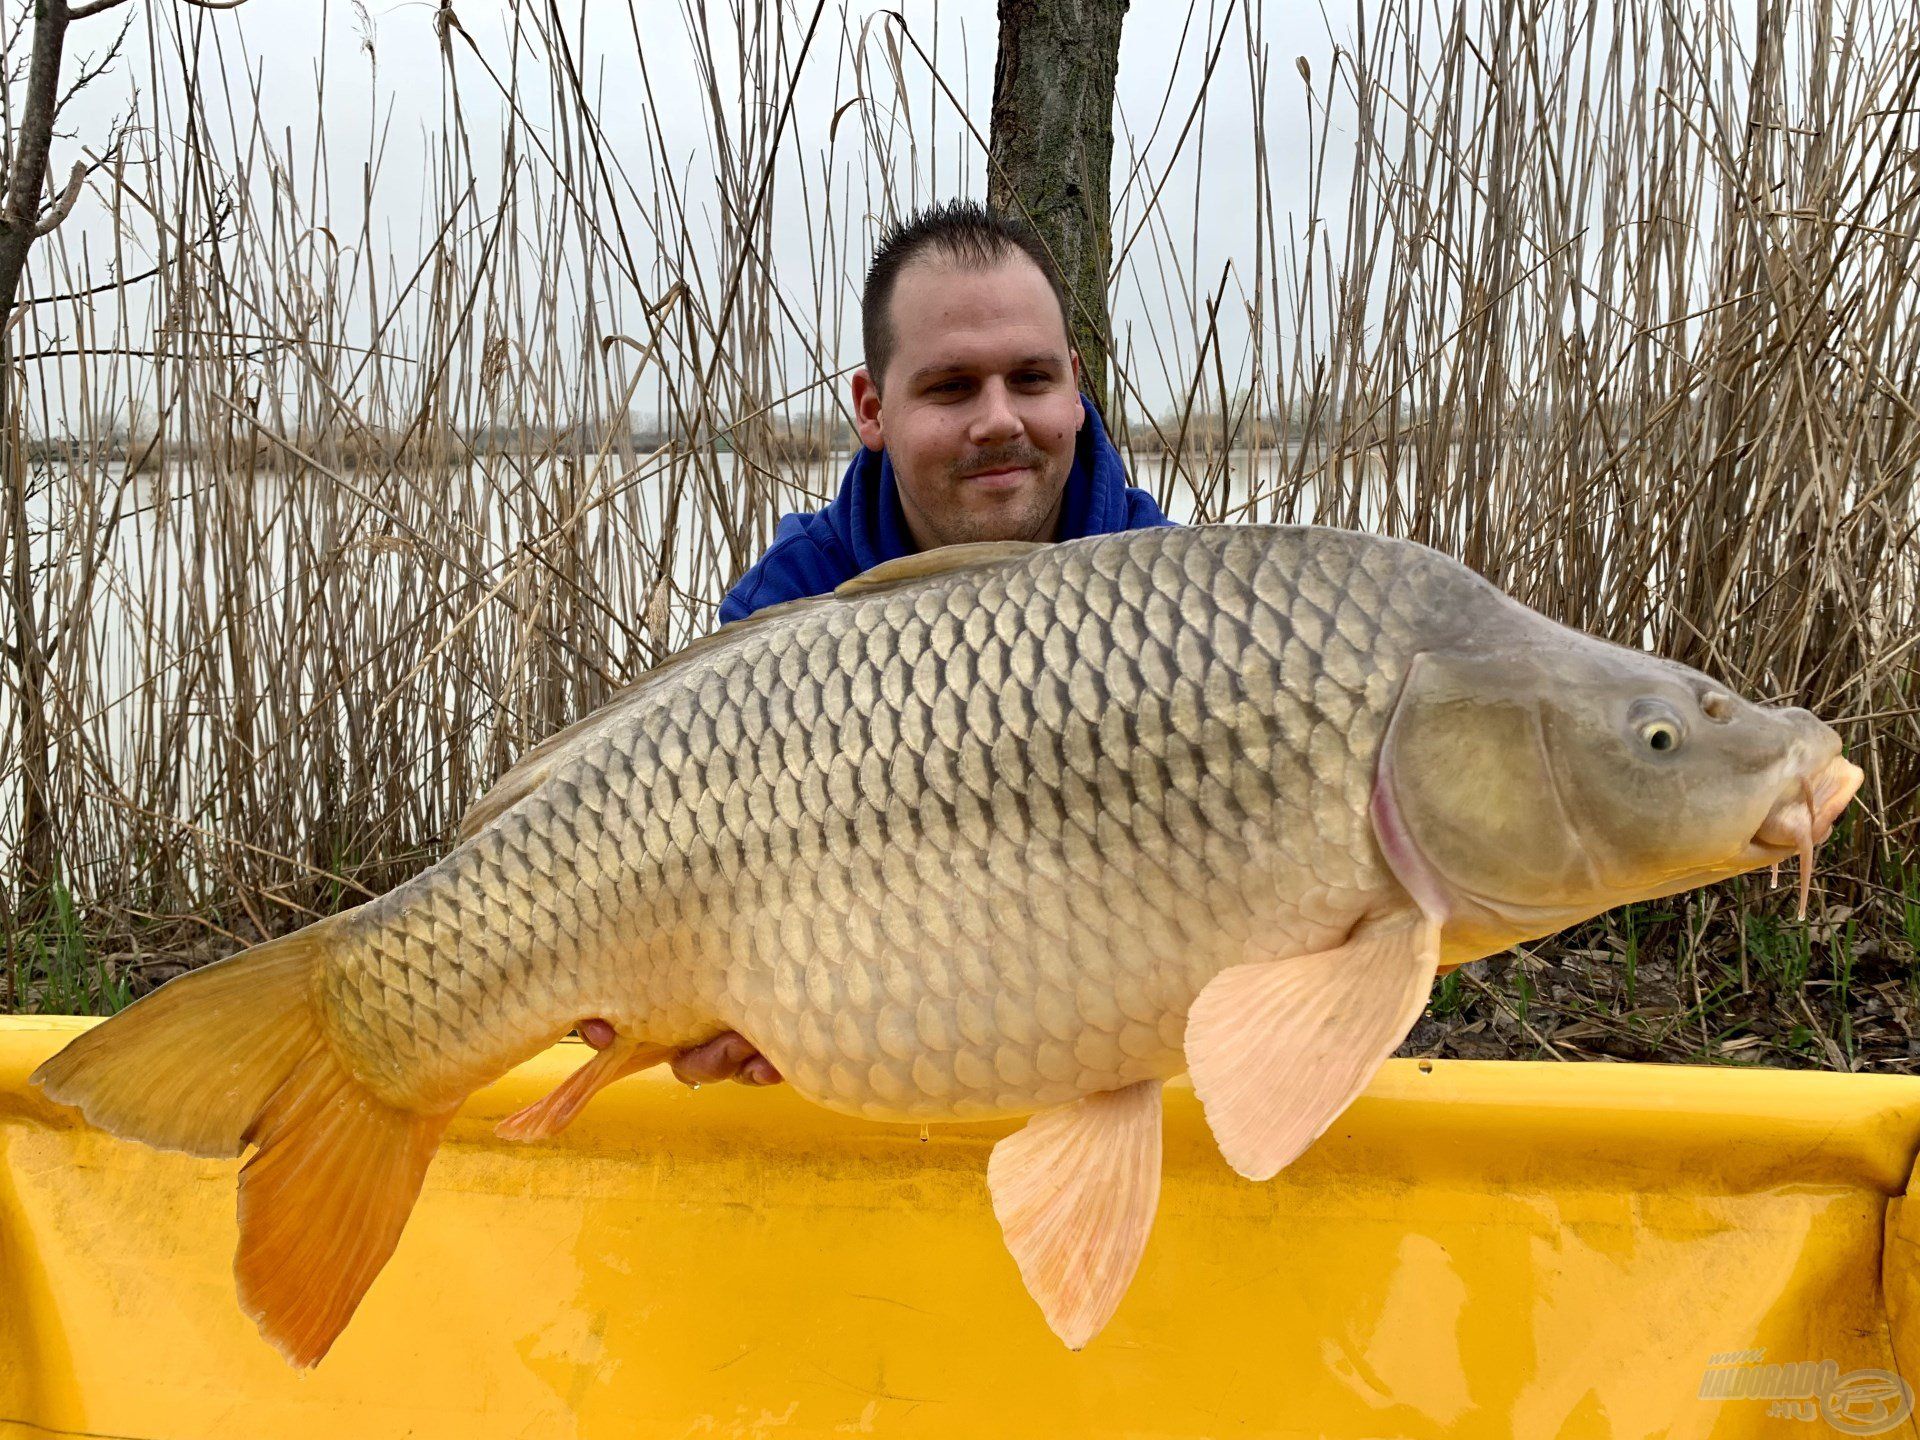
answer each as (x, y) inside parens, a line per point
(316, 529)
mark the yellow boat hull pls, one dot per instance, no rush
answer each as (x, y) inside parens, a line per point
(1475, 1249)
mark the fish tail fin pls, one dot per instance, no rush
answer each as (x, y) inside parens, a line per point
(233, 1055)
(323, 1202)
(194, 1065)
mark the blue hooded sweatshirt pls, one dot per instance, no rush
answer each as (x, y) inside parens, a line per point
(813, 552)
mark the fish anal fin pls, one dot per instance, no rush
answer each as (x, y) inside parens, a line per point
(1278, 1048)
(1075, 1191)
(323, 1201)
(552, 1113)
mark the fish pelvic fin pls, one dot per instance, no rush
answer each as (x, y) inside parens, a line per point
(1075, 1191)
(233, 1055)
(552, 1113)
(1278, 1048)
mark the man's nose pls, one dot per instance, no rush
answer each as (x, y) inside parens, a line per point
(994, 418)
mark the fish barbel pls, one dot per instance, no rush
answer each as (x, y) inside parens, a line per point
(994, 830)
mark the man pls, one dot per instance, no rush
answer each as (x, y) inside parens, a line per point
(972, 427)
(970, 415)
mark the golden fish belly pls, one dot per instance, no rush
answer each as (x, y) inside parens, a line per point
(1018, 987)
(964, 847)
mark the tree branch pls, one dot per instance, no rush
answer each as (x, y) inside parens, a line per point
(91, 69)
(93, 7)
(62, 207)
(214, 235)
(27, 177)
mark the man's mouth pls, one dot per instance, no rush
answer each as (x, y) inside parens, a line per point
(1000, 473)
(1803, 817)
(1002, 479)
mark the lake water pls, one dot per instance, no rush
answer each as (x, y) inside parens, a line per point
(357, 655)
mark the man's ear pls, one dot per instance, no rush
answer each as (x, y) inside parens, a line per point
(866, 409)
(1079, 384)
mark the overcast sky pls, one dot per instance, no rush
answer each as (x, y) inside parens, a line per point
(385, 74)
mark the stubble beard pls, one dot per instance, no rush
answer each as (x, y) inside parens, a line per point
(1031, 513)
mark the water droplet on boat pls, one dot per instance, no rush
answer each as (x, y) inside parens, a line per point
(923, 1134)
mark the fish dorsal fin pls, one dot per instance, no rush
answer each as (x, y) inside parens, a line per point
(532, 769)
(943, 561)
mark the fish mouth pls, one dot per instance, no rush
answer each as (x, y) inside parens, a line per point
(1803, 817)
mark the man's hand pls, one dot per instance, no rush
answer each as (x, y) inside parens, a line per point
(728, 1056)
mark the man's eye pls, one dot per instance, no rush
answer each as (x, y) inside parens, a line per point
(949, 387)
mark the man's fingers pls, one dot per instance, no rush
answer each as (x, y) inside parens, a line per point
(728, 1056)
(725, 1057)
(719, 1059)
(758, 1071)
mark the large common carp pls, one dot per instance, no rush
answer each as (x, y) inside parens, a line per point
(994, 830)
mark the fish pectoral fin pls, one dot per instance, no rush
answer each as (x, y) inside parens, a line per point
(1075, 1190)
(552, 1113)
(1278, 1048)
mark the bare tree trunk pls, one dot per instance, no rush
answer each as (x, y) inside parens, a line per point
(21, 223)
(27, 214)
(37, 851)
(1052, 149)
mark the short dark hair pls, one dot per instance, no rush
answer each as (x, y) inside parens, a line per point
(962, 230)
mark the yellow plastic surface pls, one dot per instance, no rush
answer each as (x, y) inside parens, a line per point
(1475, 1249)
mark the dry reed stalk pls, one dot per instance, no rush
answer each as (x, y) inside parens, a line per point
(1611, 301)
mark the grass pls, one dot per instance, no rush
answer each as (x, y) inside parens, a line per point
(1905, 888)
(1612, 302)
(1670, 982)
(53, 970)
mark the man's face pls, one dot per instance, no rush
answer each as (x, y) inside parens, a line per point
(981, 402)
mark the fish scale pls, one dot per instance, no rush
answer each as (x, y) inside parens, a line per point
(961, 848)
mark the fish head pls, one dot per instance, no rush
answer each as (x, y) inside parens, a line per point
(1528, 786)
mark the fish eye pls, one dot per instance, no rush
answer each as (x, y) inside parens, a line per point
(1657, 727)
